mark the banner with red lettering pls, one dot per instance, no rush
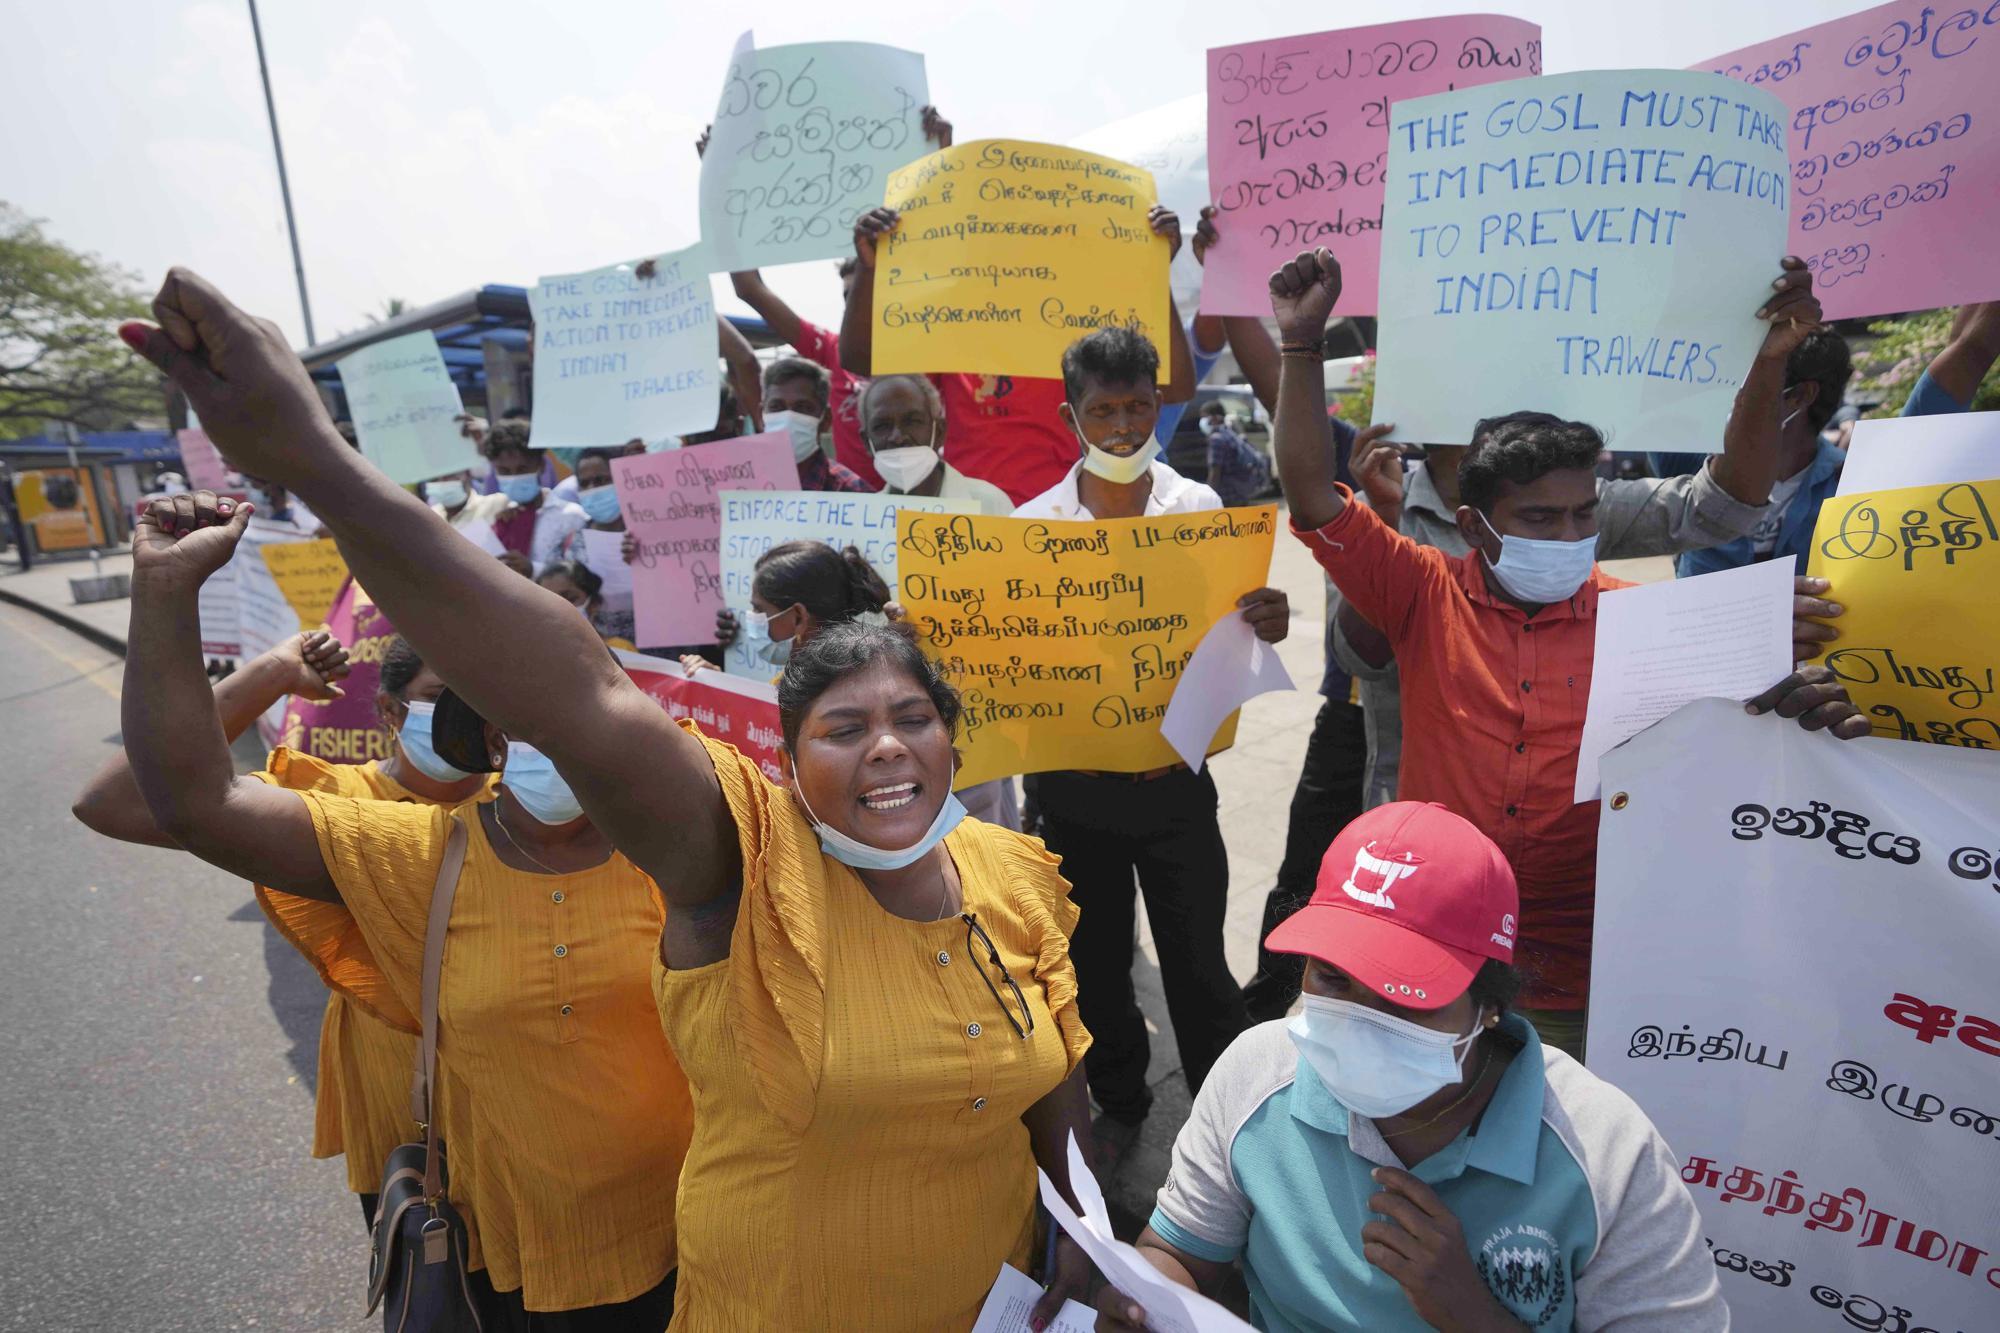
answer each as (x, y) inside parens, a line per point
(726, 708)
(347, 730)
(1794, 978)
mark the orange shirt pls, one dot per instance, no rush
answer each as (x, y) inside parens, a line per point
(1493, 705)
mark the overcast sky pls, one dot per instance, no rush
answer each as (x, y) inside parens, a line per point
(439, 146)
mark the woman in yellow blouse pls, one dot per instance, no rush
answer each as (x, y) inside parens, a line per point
(874, 1001)
(362, 1094)
(564, 1114)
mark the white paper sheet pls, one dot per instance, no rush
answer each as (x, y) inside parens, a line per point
(1230, 666)
(1170, 1307)
(1895, 452)
(604, 554)
(1660, 646)
(1013, 1299)
(483, 536)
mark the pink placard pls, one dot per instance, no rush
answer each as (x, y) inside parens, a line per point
(347, 730)
(670, 507)
(203, 465)
(1298, 140)
(1895, 152)
(727, 708)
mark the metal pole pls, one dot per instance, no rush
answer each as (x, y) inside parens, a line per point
(284, 184)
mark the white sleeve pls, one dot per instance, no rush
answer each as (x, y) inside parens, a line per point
(1201, 1209)
(1652, 1272)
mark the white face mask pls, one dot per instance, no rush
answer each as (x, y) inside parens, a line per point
(450, 494)
(904, 469)
(1541, 571)
(851, 851)
(1119, 468)
(1376, 1064)
(803, 429)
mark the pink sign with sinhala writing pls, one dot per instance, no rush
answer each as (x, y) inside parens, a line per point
(671, 510)
(1895, 152)
(1298, 141)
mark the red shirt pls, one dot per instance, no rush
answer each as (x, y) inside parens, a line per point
(1004, 429)
(822, 347)
(1493, 705)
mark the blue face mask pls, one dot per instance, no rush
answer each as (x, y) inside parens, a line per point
(532, 777)
(1541, 571)
(522, 489)
(450, 494)
(415, 741)
(862, 856)
(600, 502)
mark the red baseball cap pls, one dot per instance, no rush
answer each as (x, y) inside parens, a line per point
(1411, 900)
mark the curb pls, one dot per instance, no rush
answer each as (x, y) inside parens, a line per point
(111, 643)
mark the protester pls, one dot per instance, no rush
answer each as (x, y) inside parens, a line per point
(903, 422)
(1951, 382)
(567, 1116)
(1408, 1154)
(879, 1025)
(1495, 716)
(577, 584)
(1005, 429)
(537, 524)
(571, 487)
(1160, 825)
(822, 346)
(1236, 472)
(598, 498)
(362, 1086)
(796, 401)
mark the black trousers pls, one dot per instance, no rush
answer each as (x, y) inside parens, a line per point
(1327, 799)
(502, 1311)
(1107, 830)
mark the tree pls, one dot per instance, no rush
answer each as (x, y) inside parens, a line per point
(60, 357)
(1907, 345)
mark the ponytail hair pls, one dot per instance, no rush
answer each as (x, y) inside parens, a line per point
(833, 586)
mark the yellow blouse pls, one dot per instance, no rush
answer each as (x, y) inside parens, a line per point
(564, 1113)
(859, 1159)
(361, 1106)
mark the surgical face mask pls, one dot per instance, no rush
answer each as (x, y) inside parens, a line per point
(1376, 1064)
(862, 856)
(1541, 571)
(532, 777)
(450, 494)
(414, 738)
(1117, 468)
(905, 466)
(804, 431)
(600, 502)
(522, 489)
(758, 632)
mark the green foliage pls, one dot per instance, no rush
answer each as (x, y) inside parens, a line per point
(60, 357)
(1907, 344)
(1356, 405)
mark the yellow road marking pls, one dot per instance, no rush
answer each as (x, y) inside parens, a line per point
(93, 668)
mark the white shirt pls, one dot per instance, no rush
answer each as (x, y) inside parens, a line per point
(1172, 494)
(990, 498)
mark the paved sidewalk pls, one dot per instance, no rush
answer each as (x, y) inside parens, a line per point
(45, 589)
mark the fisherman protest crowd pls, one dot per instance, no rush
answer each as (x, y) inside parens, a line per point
(726, 1045)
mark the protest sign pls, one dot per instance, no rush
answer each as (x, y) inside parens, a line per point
(200, 463)
(755, 521)
(264, 615)
(1920, 638)
(309, 576)
(1888, 453)
(604, 556)
(802, 140)
(346, 730)
(728, 708)
(1593, 245)
(1067, 639)
(1794, 979)
(672, 511)
(1008, 252)
(1895, 139)
(1170, 141)
(620, 357)
(1298, 135)
(404, 408)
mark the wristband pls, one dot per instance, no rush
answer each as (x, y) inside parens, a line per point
(1315, 348)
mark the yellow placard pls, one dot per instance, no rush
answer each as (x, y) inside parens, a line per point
(1917, 571)
(1007, 252)
(309, 574)
(1066, 638)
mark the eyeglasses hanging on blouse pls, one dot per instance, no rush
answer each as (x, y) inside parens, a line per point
(977, 939)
